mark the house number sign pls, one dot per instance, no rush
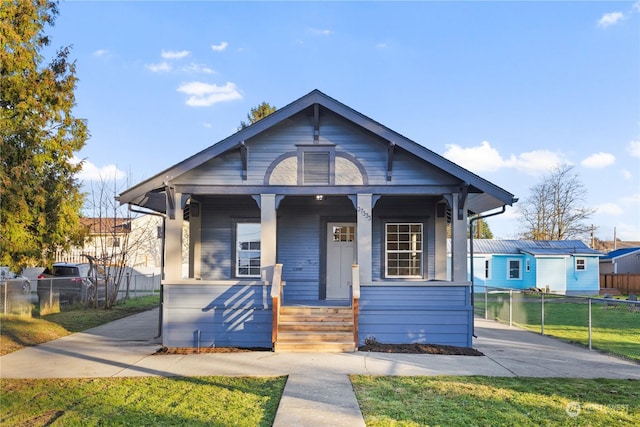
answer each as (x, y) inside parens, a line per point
(362, 211)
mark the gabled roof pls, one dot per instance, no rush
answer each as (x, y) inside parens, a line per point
(483, 195)
(532, 247)
(618, 253)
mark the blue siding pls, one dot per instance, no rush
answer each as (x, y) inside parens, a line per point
(225, 315)
(584, 282)
(416, 314)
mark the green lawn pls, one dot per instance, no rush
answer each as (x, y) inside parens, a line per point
(146, 401)
(614, 329)
(17, 332)
(497, 401)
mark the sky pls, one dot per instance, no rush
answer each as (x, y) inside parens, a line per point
(506, 89)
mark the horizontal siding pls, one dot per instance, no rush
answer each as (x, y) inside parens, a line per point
(301, 290)
(220, 315)
(429, 314)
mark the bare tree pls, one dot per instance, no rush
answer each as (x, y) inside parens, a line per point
(554, 210)
(116, 245)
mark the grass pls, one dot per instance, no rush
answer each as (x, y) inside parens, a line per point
(614, 329)
(497, 401)
(17, 332)
(173, 401)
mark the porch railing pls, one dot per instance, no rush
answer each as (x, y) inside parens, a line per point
(355, 298)
(276, 298)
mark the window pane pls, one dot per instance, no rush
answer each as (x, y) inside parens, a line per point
(248, 249)
(403, 250)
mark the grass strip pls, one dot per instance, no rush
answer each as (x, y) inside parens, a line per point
(497, 401)
(17, 332)
(157, 401)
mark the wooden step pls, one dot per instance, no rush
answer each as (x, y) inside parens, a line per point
(315, 329)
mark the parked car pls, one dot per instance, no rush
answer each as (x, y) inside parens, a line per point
(16, 282)
(74, 282)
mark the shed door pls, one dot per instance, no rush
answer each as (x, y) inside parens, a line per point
(341, 254)
(552, 272)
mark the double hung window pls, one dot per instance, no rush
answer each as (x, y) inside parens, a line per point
(403, 250)
(247, 249)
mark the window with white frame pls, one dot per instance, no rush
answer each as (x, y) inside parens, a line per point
(514, 267)
(528, 265)
(403, 250)
(248, 249)
(581, 264)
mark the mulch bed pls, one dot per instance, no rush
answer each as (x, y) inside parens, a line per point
(373, 347)
(448, 350)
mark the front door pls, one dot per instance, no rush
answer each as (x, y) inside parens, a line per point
(341, 255)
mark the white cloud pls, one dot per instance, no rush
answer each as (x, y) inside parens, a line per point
(197, 68)
(204, 94)
(609, 19)
(100, 52)
(599, 160)
(609, 209)
(91, 172)
(162, 67)
(320, 32)
(381, 45)
(167, 54)
(634, 148)
(626, 174)
(219, 47)
(485, 158)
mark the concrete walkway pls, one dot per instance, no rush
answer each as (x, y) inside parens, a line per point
(318, 391)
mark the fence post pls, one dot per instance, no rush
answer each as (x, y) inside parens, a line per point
(4, 303)
(486, 302)
(542, 315)
(510, 307)
(589, 324)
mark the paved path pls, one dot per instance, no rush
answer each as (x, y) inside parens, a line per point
(318, 391)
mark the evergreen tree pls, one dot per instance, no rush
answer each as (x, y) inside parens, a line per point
(40, 197)
(257, 113)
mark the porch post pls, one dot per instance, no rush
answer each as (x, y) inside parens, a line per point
(268, 221)
(458, 241)
(440, 235)
(364, 225)
(195, 252)
(173, 242)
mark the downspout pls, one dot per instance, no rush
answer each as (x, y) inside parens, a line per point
(471, 221)
(164, 219)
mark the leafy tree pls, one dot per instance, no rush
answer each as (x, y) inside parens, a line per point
(258, 113)
(554, 210)
(40, 195)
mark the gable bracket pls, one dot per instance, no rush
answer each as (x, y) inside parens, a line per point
(170, 193)
(316, 123)
(391, 149)
(243, 157)
(462, 198)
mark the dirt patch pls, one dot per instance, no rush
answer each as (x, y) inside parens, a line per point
(420, 349)
(205, 350)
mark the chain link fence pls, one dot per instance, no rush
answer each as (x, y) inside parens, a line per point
(52, 292)
(604, 323)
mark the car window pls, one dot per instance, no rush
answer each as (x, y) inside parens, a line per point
(65, 270)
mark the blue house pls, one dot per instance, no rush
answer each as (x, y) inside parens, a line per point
(311, 230)
(561, 266)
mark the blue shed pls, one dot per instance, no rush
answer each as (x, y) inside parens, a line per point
(561, 266)
(313, 229)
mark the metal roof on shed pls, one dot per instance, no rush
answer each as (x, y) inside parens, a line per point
(533, 247)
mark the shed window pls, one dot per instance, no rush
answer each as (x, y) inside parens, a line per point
(487, 268)
(581, 264)
(248, 249)
(515, 269)
(403, 253)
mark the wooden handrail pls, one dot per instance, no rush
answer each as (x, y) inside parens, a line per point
(276, 298)
(355, 299)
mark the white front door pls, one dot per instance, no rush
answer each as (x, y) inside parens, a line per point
(341, 255)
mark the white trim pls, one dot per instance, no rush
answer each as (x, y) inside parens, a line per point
(519, 260)
(418, 253)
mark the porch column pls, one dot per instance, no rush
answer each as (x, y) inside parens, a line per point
(365, 219)
(195, 252)
(458, 241)
(173, 242)
(268, 221)
(440, 236)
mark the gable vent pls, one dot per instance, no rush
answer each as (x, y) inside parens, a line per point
(316, 167)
